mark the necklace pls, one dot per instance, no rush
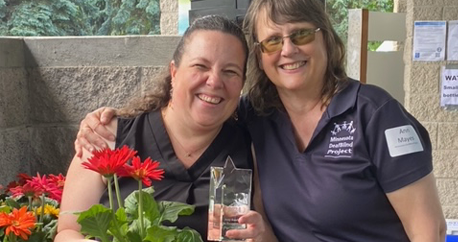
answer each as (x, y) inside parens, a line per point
(188, 154)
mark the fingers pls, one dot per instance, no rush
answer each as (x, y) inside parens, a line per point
(107, 115)
(93, 123)
(93, 130)
(254, 227)
(89, 138)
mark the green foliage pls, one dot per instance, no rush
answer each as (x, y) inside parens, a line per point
(79, 17)
(102, 223)
(338, 12)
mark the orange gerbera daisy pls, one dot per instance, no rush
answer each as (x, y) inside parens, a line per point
(20, 222)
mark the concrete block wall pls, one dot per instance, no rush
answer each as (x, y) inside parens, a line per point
(422, 99)
(14, 109)
(47, 85)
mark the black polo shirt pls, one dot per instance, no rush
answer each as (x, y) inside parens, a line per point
(365, 145)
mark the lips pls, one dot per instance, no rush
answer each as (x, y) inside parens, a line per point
(209, 99)
(293, 66)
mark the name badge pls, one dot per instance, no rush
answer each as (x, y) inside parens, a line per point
(402, 140)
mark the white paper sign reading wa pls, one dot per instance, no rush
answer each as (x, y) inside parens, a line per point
(229, 198)
(449, 87)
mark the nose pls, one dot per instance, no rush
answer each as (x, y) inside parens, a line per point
(215, 80)
(288, 47)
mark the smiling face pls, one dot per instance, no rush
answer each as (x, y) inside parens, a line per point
(208, 81)
(294, 67)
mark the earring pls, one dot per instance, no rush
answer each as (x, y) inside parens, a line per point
(235, 116)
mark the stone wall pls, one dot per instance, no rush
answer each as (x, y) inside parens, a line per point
(14, 110)
(47, 85)
(422, 87)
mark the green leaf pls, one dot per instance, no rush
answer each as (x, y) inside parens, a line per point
(134, 226)
(161, 234)
(150, 206)
(12, 203)
(119, 226)
(5, 209)
(189, 235)
(171, 210)
(134, 237)
(96, 221)
(36, 237)
(50, 229)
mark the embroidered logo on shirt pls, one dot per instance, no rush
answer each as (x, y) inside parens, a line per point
(402, 140)
(341, 141)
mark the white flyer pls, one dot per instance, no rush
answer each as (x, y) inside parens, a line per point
(452, 40)
(449, 87)
(429, 40)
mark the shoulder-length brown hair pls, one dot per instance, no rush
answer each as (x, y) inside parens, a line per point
(262, 92)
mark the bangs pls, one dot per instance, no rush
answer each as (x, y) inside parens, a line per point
(291, 11)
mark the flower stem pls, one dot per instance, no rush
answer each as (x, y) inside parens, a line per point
(118, 194)
(12, 238)
(110, 193)
(42, 214)
(140, 209)
(30, 202)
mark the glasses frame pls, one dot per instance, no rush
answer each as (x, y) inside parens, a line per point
(263, 50)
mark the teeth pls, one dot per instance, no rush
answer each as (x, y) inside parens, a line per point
(293, 66)
(212, 100)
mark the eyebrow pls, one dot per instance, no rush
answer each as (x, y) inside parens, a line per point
(236, 66)
(206, 61)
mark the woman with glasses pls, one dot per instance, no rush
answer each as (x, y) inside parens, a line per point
(337, 160)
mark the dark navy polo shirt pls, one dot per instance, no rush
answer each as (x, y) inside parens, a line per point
(365, 145)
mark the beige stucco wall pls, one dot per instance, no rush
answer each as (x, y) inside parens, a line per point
(422, 87)
(169, 17)
(400, 6)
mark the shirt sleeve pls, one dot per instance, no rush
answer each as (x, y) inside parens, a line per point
(399, 146)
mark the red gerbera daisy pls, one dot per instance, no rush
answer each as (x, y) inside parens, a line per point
(58, 180)
(26, 190)
(22, 179)
(108, 162)
(44, 185)
(144, 172)
(20, 222)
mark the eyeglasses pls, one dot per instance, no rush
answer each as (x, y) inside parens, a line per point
(298, 37)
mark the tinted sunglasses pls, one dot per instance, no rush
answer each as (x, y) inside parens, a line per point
(298, 37)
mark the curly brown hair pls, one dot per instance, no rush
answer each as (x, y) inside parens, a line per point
(262, 93)
(158, 96)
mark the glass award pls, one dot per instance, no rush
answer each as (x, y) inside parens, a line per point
(229, 199)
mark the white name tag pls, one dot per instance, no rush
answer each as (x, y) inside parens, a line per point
(402, 140)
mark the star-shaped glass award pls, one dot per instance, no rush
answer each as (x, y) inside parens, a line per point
(230, 198)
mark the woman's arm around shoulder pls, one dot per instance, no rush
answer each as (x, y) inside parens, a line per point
(419, 209)
(83, 188)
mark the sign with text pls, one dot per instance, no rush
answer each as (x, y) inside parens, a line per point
(429, 40)
(449, 87)
(452, 44)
